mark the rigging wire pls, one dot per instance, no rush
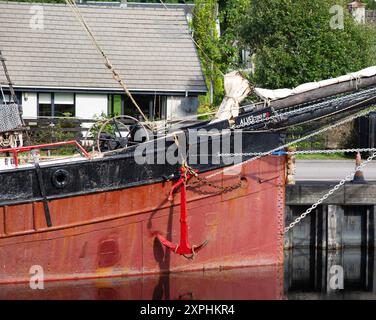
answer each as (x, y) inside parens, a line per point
(72, 4)
(3, 95)
(207, 58)
(315, 133)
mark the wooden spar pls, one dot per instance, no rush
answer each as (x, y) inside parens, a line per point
(323, 92)
(11, 89)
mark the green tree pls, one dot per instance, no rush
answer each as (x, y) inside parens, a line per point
(371, 4)
(205, 33)
(231, 13)
(218, 52)
(294, 42)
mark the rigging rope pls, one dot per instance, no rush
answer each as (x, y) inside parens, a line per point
(107, 63)
(207, 58)
(315, 133)
(3, 95)
(314, 107)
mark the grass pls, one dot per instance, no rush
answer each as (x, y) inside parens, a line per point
(325, 156)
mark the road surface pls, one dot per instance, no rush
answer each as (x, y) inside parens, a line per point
(330, 170)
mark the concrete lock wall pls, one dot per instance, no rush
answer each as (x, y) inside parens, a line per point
(346, 219)
(309, 271)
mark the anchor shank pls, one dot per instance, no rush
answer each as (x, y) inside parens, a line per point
(184, 246)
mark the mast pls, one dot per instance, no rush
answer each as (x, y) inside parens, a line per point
(9, 82)
(12, 124)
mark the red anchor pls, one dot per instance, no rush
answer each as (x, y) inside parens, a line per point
(183, 248)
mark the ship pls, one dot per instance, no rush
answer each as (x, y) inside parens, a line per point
(161, 199)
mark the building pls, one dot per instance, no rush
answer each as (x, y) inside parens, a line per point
(57, 71)
(358, 10)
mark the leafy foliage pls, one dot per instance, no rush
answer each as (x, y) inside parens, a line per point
(371, 4)
(295, 43)
(218, 52)
(231, 15)
(206, 35)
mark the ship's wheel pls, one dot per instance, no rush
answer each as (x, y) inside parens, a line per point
(121, 132)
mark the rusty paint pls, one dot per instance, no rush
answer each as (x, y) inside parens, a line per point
(239, 284)
(108, 253)
(243, 231)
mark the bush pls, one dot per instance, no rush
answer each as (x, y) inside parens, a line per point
(295, 43)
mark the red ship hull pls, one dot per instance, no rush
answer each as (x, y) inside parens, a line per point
(110, 234)
(255, 283)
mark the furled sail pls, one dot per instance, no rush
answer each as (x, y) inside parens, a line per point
(237, 89)
(283, 98)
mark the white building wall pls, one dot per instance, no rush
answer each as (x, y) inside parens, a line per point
(29, 105)
(87, 105)
(180, 107)
(90, 105)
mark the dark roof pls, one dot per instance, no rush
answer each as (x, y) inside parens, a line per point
(187, 7)
(151, 47)
(356, 4)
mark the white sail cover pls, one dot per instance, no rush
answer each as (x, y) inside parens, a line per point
(267, 94)
(237, 89)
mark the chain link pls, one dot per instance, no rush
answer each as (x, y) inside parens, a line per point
(263, 154)
(279, 116)
(211, 184)
(289, 144)
(329, 193)
(353, 150)
(335, 188)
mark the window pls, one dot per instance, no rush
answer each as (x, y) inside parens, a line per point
(64, 105)
(152, 105)
(45, 105)
(56, 105)
(115, 104)
(7, 97)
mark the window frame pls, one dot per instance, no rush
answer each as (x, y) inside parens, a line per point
(53, 106)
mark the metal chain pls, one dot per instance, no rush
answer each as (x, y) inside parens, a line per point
(353, 150)
(315, 133)
(211, 184)
(278, 116)
(329, 193)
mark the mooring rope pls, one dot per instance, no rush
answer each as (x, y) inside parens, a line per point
(107, 63)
